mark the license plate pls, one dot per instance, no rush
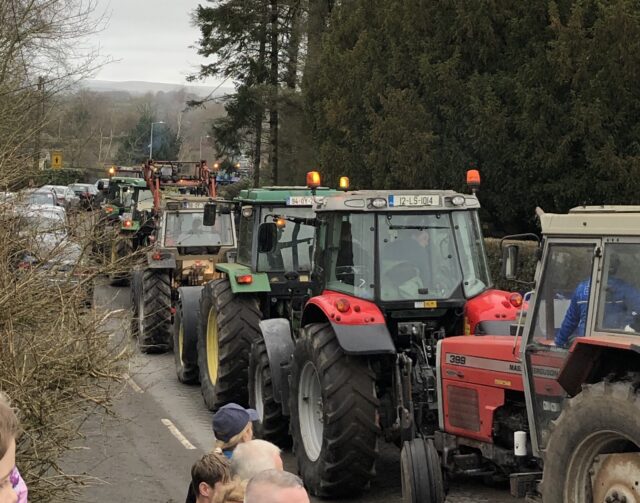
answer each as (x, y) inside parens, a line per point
(413, 200)
(300, 201)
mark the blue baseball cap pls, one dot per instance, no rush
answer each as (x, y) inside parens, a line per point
(231, 419)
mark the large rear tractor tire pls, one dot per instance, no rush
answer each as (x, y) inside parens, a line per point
(333, 415)
(154, 311)
(185, 334)
(593, 451)
(422, 480)
(134, 291)
(273, 425)
(121, 248)
(229, 325)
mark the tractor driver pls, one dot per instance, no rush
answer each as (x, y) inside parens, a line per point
(621, 305)
(410, 252)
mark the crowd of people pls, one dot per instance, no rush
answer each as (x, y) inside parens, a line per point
(241, 468)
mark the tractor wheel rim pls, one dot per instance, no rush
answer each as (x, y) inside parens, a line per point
(594, 465)
(257, 392)
(310, 411)
(212, 346)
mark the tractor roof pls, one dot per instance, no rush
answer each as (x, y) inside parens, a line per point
(593, 221)
(126, 180)
(282, 195)
(398, 200)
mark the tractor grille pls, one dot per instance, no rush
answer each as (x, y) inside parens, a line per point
(463, 408)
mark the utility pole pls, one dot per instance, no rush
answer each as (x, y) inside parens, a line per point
(39, 123)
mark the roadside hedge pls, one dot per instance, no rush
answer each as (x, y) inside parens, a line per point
(527, 263)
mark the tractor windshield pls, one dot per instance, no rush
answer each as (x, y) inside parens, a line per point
(430, 256)
(185, 229)
(295, 242)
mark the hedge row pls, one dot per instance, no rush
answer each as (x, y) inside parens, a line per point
(527, 263)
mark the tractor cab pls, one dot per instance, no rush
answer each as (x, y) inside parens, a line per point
(417, 255)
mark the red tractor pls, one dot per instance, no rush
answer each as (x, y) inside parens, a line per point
(394, 273)
(559, 401)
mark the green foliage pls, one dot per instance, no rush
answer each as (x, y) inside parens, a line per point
(134, 148)
(542, 96)
(60, 177)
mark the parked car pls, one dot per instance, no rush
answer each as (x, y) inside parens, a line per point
(65, 197)
(41, 197)
(104, 187)
(87, 193)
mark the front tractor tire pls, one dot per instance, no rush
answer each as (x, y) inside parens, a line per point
(593, 451)
(229, 324)
(422, 480)
(333, 415)
(154, 311)
(273, 425)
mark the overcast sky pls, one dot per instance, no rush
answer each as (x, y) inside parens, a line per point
(150, 38)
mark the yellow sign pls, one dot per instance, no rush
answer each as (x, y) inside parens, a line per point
(56, 159)
(429, 304)
(502, 382)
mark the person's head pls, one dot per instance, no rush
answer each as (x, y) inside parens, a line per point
(9, 431)
(208, 475)
(421, 236)
(232, 425)
(275, 486)
(255, 456)
(196, 224)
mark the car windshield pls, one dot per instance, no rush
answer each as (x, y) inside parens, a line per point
(186, 229)
(295, 242)
(38, 223)
(45, 198)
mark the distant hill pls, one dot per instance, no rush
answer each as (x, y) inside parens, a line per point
(139, 87)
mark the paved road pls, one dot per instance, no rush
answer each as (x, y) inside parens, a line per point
(145, 454)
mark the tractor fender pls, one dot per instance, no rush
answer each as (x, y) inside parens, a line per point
(361, 330)
(167, 261)
(276, 333)
(593, 358)
(491, 311)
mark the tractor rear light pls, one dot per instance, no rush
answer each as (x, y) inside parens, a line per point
(313, 179)
(244, 279)
(281, 223)
(128, 223)
(515, 299)
(342, 305)
(109, 209)
(157, 256)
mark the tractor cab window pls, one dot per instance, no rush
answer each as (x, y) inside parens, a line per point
(295, 242)
(418, 257)
(349, 254)
(186, 230)
(559, 316)
(619, 297)
(475, 272)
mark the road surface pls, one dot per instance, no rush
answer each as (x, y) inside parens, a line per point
(146, 452)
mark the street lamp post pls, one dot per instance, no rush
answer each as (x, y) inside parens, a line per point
(151, 144)
(201, 138)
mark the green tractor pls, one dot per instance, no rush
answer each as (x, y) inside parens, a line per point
(256, 285)
(130, 215)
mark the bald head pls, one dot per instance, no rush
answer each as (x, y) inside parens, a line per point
(255, 456)
(274, 486)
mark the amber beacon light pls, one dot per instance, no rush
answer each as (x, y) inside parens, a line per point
(313, 179)
(343, 183)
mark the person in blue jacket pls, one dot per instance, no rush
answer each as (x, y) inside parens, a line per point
(622, 303)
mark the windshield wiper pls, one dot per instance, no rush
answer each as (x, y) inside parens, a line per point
(417, 227)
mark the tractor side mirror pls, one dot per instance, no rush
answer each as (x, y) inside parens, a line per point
(267, 237)
(209, 217)
(510, 262)
(100, 185)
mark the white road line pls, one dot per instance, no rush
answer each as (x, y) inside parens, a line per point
(133, 384)
(176, 433)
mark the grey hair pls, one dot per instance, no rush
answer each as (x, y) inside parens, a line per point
(252, 457)
(273, 478)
